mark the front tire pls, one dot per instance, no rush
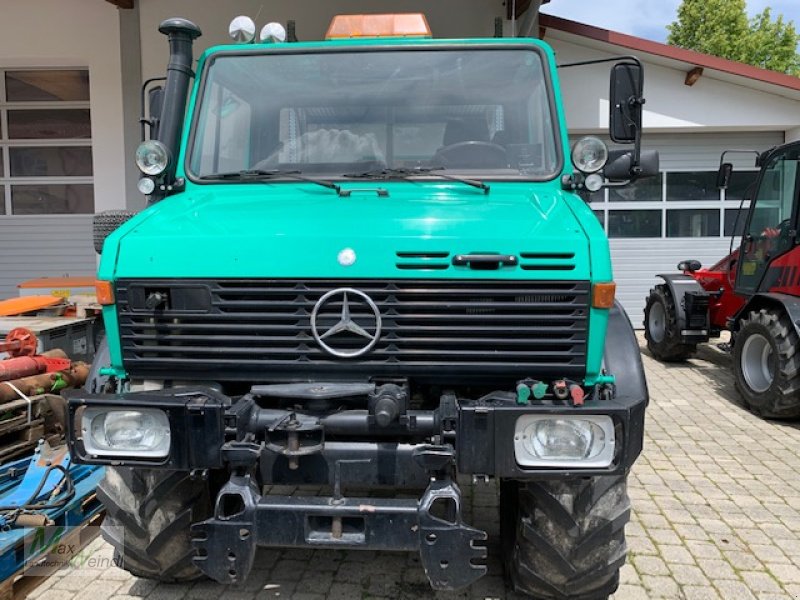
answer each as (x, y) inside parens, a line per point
(565, 540)
(148, 516)
(765, 365)
(661, 327)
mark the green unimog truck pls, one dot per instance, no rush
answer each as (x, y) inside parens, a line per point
(366, 264)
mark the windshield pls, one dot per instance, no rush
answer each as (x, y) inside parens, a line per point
(477, 111)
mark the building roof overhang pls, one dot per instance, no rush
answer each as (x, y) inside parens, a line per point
(671, 56)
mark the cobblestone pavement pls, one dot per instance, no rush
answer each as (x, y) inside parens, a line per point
(716, 499)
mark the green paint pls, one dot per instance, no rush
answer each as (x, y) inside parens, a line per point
(523, 394)
(539, 390)
(295, 229)
(605, 379)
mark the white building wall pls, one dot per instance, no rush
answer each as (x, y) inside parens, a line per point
(65, 33)
(710, 105)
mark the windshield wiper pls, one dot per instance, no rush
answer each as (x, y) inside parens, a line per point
(267, 175)
(416, 171)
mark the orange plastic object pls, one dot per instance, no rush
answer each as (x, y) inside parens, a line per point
(58, 282)
(26, 304)
(388, 25)
(104, 291)
(603, 295)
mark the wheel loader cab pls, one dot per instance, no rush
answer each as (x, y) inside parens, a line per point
(770, 231)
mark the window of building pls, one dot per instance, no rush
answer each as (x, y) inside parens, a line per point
(675, 204)
(693, 223)
(634, 223)
(692, 186)
(45, 142)
(644, 190)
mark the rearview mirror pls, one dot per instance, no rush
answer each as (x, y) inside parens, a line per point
(620, 165)
(627, 88)
(155, 103)
(724, 176)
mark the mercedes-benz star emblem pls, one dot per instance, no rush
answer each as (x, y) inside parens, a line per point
(347, 323)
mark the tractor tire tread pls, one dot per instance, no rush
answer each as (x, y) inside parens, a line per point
(148, 518)
(782, 400)
(670, 349)
(569, 542)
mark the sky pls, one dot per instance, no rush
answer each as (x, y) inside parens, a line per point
(649, 18)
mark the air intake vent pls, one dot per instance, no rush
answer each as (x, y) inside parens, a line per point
(423, 261)
(547, 261)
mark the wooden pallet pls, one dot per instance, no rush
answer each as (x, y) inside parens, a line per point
(19, 585)
(19, 436)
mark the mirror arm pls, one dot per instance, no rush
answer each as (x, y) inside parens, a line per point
(599, 61)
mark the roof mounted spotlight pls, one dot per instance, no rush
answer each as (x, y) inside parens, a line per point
(272, 32)
(242, 30)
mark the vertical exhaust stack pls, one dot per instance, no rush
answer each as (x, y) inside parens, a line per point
(181, 34)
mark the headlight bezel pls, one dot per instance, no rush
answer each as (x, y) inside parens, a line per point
(525, 457)
(196, 418)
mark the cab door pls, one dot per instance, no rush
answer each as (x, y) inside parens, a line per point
(771, 226)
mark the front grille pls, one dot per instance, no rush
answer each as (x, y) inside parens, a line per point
(260, 330)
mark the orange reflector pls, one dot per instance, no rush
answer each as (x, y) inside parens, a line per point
(603, 295)
(372, 26)
(104, 291)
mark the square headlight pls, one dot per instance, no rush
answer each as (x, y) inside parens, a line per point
(564, 441)
(125, 432)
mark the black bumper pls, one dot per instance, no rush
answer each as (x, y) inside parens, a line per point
(452, 553)
(297, 448)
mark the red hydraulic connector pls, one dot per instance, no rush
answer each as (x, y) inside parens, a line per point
(577, 394)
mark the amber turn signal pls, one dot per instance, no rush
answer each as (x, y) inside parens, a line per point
(603, 295)
(104, 290)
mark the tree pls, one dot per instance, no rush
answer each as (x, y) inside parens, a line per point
(721, 28)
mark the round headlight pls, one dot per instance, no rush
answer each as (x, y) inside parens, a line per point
(152, 157)
(590, 154)
(594, 182)
(146, 186)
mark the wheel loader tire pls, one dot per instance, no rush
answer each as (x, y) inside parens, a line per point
(148, 516)
(565, 540)
(766, 364)
(661, 327)
(106, 223)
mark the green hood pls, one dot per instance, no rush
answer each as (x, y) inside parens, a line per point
(298, 230)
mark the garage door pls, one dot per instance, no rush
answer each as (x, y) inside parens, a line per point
(678, 215)
(46, 175)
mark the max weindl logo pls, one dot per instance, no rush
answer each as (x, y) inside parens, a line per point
(55, 547)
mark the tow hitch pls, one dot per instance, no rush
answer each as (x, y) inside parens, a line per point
(452, 552)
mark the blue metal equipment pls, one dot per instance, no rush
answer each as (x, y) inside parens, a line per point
(45, 487)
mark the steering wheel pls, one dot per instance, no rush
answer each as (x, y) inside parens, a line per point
(472, 154)
(781, 231)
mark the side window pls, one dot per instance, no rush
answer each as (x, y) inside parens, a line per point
(226, 141)
(770, 229)
(775, 197)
